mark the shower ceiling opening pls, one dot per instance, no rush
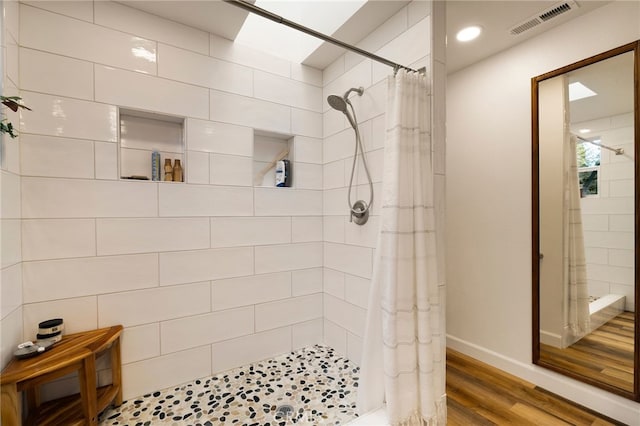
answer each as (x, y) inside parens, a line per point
(275, 39)
(347, 20)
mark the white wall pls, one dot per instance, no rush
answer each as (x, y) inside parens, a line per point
(551, 98)
(349, 249)
(10, 211)
(489, 198)
(204, 275)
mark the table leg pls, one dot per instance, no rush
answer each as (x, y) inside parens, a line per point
(116, 371)
(33, 399)
(87, 376)
(10, 405)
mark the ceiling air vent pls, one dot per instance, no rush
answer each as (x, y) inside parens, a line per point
(544, 16)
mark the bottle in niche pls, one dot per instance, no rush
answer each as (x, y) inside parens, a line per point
(177, 171)
(155, 165)
(283, 173)
(168, 170)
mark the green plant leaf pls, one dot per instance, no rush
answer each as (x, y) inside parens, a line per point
(14, 103)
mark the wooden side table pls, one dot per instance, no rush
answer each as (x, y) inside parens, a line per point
(75, 352)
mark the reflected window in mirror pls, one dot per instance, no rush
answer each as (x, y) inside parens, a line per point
(588, 158)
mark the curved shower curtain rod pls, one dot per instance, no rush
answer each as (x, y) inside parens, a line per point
(243, 4)
(618, 151)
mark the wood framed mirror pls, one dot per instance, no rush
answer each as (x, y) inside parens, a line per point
(585, 220)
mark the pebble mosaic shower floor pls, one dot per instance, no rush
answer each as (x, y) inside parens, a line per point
(315, 382)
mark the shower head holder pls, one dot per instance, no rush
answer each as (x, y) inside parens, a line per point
(358, 90)
(359, 213)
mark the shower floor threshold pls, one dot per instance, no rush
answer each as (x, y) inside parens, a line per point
(319, 384)
(605, 308)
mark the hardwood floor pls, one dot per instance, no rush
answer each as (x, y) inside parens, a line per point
(478, 394)
(605, 354)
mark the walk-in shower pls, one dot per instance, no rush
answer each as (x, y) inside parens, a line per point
(360, 209)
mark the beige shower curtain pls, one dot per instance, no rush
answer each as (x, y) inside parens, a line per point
(404, 346)
(577, 292)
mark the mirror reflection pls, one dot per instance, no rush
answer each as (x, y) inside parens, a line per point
(586, 222)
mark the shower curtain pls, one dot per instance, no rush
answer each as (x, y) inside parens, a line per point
(404, 345)
(575, 264)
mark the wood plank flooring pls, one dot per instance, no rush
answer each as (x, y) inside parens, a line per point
(606, 354)
(478, 394)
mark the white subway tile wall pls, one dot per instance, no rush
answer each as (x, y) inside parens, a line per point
(288, 312)
(177, 200)
(82, 11)
(80, 314)
(141, 342)
(11, 299)
(249, 231)
(178, 367)
(65, 76)
(307, 333)
(251, 290)
(250, 112)
(132, 89)
(63, 35)
(159, 258)
(119, 17)
(184, 333)
(204, 275)
(190, 266)
(168, 302)
(308, 150)
(72, 118)
(198, 171)
(203, 70)
(125, 236)
(220, 138)
(608, 218)
(251, 348)
(57, 157)
(106, 160)
(11, 291)
(10, 242)
(306, 281)
(230, 170)
(287, 257)
(58, 279)
(44, 239)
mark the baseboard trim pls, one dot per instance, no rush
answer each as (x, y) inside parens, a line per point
(610, 405)
(551, 339)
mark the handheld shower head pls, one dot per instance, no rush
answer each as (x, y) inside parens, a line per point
(338, 103)
(359, 212)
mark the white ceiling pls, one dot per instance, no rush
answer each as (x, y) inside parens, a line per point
(496, 18)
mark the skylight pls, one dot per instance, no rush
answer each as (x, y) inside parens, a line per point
(323, 16)
(578, 90)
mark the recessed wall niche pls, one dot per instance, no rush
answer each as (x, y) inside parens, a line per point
(140, 134)
(267, 148)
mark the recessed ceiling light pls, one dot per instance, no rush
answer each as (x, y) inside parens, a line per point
(583, 131)
(578, 90)
(469, 33)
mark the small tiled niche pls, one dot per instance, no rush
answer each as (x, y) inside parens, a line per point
(268, 147)
(141, 133)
